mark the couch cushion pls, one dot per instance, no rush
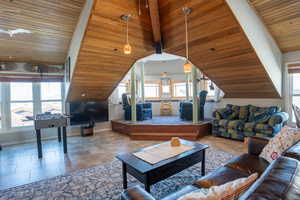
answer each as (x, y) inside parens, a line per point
(280, 181)
(224, 123)
(254, 109)
(262, 116)
(225, 112)
(248, 163)
(236, 124)
(183, 191)
(244, 112)
(249, 126)
(264, 128)
(220, 176)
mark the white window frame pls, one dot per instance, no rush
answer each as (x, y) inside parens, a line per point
(6, 125)
(292, 95)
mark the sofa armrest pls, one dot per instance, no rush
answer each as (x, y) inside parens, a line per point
(136, 193)
(256, 145)
(278, 118)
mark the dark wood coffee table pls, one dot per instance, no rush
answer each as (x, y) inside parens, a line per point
(149, 174)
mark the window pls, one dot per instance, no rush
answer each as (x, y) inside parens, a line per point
(51, 98)
(152, 90)
(122, 88)
(179, 89)
(296, 91)
(21, 104)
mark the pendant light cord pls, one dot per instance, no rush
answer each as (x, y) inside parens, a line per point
(186, 38)
(140, 12)
(127, 32)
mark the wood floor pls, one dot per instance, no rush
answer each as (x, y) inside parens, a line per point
(19, 164)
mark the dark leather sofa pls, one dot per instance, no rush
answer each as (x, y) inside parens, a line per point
(278, 181)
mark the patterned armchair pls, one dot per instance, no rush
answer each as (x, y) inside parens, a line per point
(143, 110)
(238, 122)
(186, 108)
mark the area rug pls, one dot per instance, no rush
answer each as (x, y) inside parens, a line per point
(105, 182)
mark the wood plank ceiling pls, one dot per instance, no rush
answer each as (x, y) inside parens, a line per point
(218, 47)
(51, 22)
(101, 62)
(282, 18)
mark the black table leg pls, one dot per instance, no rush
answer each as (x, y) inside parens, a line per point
(147, 185)
(39, 143)
(65, 139)
(124, 173)
(203, 163)
(59, 134)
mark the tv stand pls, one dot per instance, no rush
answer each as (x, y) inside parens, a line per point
(87, 130)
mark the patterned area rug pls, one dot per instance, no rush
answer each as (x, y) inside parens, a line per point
(105, 182)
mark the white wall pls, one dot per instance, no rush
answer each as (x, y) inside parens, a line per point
(255, 102)
(262, 41)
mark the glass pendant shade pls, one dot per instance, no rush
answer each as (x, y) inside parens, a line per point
(127, 49)
(187, 67)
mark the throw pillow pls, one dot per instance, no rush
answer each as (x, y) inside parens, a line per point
(243, 114)
(228, 191)
(224, 112)
(287, 137)
(262, 116)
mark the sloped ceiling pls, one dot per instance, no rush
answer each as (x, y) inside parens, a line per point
(218, 47)
(51, 22)
(282, 17)
(101, 62)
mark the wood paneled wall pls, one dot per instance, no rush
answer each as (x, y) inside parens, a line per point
(282, 18)
(101, 62)
(218, 47)
(51, 22)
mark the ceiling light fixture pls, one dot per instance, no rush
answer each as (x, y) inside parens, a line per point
(127, 47)
(11, 33)
(187, 67)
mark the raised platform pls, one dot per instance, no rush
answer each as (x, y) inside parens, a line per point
(162, 128)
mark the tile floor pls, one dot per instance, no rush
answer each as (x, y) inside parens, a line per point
(19, 164)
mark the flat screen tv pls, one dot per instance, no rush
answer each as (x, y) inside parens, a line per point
(82, 113)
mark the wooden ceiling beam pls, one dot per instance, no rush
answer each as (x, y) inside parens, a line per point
(155, 21)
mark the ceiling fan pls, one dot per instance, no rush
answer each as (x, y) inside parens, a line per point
(11, 33)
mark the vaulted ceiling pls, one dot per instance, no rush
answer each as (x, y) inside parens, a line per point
(51, 22)
(282, 18)
(218, 45)
(101, 62)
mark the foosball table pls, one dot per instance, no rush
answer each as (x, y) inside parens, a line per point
(48, 120)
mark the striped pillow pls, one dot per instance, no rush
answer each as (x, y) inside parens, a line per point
(234, 189)
(228, 191)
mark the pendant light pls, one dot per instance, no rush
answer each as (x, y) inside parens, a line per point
(127, 47)
(187, 67)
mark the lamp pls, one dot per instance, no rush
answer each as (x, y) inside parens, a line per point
(127, 47)
(187, 67)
